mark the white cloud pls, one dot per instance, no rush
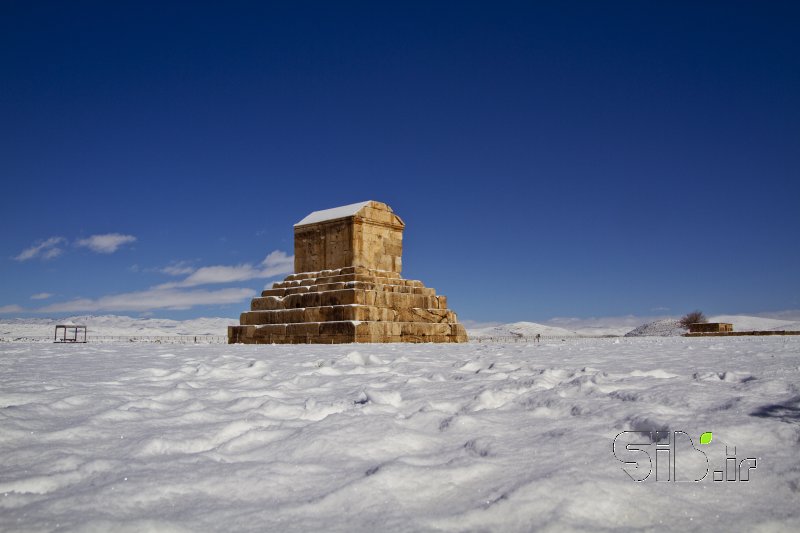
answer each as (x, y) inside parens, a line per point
(10, 309)
(147, 300)
(275, 264)
(178, 268)
(107, 243)
(219, 274)
(44, 250)
(173, 295)
(279, 262)
(41, 296)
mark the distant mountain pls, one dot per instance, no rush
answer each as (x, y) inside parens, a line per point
(669, 327)
(521, 329)
(531, 329)
(113, 325)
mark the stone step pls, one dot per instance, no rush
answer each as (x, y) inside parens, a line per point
(394, 300)
(342, 271)
(396, 285)
(346, 312)
(349, 285)
(321, 280)
(347, 331)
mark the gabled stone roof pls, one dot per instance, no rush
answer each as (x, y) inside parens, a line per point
(333, 213)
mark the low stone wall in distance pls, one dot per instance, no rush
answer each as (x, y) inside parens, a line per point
(741, 333)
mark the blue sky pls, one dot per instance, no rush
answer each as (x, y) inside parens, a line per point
(569, 159)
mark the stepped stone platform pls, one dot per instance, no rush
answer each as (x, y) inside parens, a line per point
(351, 296)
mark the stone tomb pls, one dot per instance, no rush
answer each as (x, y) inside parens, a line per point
(347, 287)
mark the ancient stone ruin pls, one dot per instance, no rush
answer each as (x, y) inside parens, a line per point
(710, 327)
(347, 287)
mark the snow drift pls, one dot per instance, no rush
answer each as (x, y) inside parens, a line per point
(478, 437)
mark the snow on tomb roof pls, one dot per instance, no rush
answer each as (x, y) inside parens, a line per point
(333, 213)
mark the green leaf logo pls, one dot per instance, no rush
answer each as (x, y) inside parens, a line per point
(705, 438)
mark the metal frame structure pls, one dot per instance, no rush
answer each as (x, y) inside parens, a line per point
(75, 330)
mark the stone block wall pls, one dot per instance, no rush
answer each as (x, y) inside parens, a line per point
(372, 238)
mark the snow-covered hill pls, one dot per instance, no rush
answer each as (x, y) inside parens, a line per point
(756, 323)
(602, 331)
(668, 327)
(521, 329)
(117, 326)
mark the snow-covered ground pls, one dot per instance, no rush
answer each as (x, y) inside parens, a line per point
(474, 437)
